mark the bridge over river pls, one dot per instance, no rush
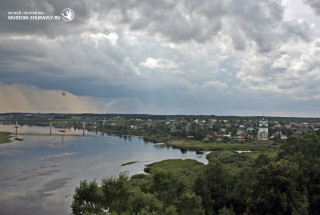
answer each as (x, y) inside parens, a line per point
(44, 130)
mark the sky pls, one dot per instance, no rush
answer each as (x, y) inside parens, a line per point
(222, 57)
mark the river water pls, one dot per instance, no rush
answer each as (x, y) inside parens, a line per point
(39, 174)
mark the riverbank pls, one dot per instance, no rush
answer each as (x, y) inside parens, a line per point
(4, 137)
(157, 132)
(150, 133)
(255, 147)
(199, 146)
(189, 144)
(194, 145)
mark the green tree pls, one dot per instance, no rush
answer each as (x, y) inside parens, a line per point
(189, 203)
(87, 199)
(143, 203)
(167, 187)
(305, 152)
(116, 192)
(226, 211)
(276, 190)
(308, 145)
(214, 187)
(313, 186)
(261, 160)
(243, 182)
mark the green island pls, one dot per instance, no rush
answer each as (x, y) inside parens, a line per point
(128, 163)
(4, 137)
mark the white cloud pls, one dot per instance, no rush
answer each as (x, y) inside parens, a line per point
(101, 37)
(159, 63)
(113, 37)
(283, 62)
(151, 63)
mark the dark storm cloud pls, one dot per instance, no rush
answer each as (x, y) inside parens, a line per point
(256, 20)
(315, 5)
(262, 22)
(90, 71)
(298, 30)
(177, 22)
(200, 21)
(160, 54)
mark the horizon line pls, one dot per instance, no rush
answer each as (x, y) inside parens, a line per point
(44, 113)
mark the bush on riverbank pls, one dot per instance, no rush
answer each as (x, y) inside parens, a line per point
(4, 137)
(162, 193)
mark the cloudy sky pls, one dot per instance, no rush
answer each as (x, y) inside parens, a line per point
(223, 57)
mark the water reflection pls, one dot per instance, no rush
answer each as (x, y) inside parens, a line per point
(24, 129)
(39, 174)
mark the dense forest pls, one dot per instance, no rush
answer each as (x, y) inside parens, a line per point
(231, 183)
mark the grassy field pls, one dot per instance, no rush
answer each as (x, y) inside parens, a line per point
(234, 162)
(186, 170)
(226, 153)
(220, 146)
(4, 137)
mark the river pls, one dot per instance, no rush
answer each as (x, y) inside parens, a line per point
(39, 174)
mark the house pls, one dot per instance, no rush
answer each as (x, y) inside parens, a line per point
(227, 135)
(220, 133)
(279, 135)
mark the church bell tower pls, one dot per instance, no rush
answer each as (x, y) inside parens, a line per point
(263, 133)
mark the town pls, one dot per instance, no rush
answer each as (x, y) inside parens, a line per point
(190, 127)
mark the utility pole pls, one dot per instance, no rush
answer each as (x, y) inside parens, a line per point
(16, 127)
(50, 127)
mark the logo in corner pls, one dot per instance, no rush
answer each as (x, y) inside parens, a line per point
(67, 14)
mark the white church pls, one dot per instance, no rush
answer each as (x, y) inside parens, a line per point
(263, 133)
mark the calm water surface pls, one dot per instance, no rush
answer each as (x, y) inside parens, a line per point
(39, 174)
